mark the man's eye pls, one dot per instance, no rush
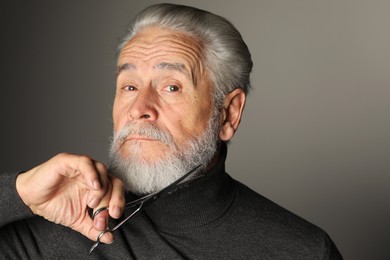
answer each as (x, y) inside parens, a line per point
(129, 88)
(173, 88)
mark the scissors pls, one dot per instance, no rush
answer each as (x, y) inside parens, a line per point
(140, 204)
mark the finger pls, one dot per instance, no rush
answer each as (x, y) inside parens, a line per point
(80, 166)
(100, 220)
(92, 233)
(107, 238)
(117, 200)
(102, 174)
(96, 196)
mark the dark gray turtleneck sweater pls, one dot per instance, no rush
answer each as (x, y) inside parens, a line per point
(214, 217)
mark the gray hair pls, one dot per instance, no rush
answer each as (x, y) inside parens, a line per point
(225, 54)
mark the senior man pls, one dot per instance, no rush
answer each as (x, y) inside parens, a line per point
(182, 78)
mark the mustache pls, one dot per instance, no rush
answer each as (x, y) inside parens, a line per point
(148, 130)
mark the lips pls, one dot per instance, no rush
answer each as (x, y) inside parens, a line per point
(139, 138)
(145, 132)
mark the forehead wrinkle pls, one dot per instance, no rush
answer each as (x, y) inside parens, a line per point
(167, 44)
(191, 71)
(145, 40)
(147, 53)
(190, 51)
(185, 45)
(172, 41)
(163, 47)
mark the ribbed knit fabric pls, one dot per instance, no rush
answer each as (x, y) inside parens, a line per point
(214, 217)
(10, 202)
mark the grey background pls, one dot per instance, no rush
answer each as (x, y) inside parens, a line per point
(315, 135)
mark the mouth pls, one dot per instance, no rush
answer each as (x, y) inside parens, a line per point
(135, 140)
(139, 138)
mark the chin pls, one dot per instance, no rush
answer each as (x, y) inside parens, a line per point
(144, 156)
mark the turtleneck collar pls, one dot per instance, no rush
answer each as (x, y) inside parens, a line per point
(197, 204)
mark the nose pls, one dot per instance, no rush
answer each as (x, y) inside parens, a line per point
(144, 106)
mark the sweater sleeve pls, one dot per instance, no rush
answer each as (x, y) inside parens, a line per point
(12, 207)
(332, 252)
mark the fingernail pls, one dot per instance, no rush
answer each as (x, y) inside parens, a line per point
(116, 212)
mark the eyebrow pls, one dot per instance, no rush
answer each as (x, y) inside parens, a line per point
(171, 66)
(123, 67)
(176, 66)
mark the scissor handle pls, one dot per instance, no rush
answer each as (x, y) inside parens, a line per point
(98, 211)
(108, 230)
(98, 239)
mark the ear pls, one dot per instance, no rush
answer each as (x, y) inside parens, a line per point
(233, 106)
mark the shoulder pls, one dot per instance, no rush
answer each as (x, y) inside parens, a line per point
(276, 228)
(255, 206)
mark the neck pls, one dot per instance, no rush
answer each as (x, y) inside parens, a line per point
(196, 204)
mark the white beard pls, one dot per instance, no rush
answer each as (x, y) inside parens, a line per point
(142, 177)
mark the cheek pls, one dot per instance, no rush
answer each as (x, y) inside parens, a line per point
(118, 116)
(177, 123)
(204, 111)
(186, 126)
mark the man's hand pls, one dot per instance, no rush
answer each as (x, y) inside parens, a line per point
(62, 189)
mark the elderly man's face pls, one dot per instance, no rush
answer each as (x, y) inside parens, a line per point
(161, 83)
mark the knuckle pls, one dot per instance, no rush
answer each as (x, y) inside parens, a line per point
(62, 156)
(85, 159)
(101, 167)
(116, 182)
